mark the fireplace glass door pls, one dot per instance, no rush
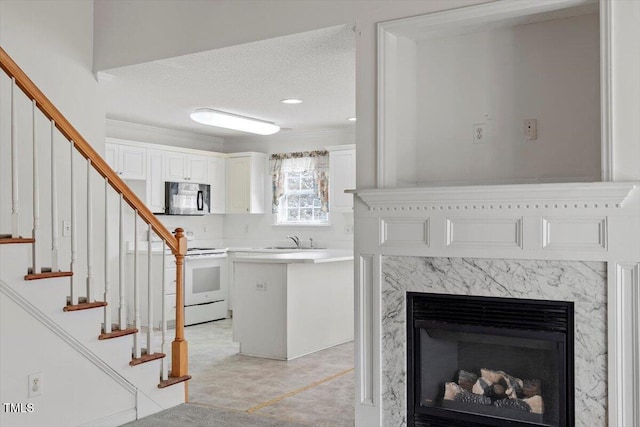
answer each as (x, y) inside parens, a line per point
(477, 361)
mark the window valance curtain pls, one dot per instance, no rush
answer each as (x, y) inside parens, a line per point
(316, 162)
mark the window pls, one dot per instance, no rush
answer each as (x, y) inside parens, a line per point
(300, 188)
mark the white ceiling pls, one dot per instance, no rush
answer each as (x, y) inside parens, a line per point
(317, 67)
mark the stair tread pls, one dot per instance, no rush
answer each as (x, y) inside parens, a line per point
(115, 333)
(48, 275)
(84, 306)
(146, 358)
(7, 239)
(173, 380)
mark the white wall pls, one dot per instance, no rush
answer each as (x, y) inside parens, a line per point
(547, 71)
(258, 229)
(32, 348)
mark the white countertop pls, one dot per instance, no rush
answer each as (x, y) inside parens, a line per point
(299, 256)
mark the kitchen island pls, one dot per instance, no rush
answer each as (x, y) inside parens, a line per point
(290, 304)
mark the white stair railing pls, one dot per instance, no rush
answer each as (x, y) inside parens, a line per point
(73, 232)
(127, 289)
(35, 268)
(54, 202)
(15, 207)
(107, 270)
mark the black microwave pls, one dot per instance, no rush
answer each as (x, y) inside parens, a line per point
(187, 198)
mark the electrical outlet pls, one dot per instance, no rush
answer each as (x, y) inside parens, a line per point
(348, 229)
(530, 129)
(261, 286)
(35, 384)
(66, 228)
(246, 228)
(480, 133)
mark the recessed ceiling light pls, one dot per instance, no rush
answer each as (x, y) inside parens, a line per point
(291, 101)
(352, 119)
(210, 117)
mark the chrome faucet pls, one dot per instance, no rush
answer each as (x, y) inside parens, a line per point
(295, 239)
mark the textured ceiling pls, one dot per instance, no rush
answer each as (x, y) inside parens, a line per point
(317, 67)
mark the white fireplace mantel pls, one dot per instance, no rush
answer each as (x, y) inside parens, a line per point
(590, 222)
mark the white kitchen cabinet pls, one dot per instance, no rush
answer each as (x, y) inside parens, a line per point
(182, 167)
(217, 179)
(342, 176)
(246, 174)
(155, 181)
(127, 161)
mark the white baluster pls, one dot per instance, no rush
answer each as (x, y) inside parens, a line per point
(136, 290)
(54, 203)
(74, 234)
(89, 235)
(15, 219)
(149, 295)
(122, 318)
(107, 272)
(165, 360)
(36, 195)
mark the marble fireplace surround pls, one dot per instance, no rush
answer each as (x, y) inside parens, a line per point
(569, 242)
(584, 283)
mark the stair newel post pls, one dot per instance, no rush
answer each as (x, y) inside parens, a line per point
(74, 234)
(89, 235)
(54, 202)
(36, 194)
(107, 272)
(136, 289)
(122, 307)
(149, 295)
(15, 218)
(179, 347)
(165, 363)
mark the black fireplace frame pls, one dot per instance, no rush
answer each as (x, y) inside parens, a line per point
(556, 325)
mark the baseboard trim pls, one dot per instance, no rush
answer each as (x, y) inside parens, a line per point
(66, 337)
(116, 419)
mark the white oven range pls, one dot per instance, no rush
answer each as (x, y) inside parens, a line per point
(205, 285)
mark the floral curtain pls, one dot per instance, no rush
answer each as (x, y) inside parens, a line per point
(316, 162)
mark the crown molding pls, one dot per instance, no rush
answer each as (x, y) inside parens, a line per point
(522, 196)
(163, 131)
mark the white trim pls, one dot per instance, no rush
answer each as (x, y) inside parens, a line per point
(116, 419)
(526, 196)
(606, 90)
(161, 147)
(417, 27)
(66, 337)
(163, 131)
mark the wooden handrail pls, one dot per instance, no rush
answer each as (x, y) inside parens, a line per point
(177, 243)
(86, 150)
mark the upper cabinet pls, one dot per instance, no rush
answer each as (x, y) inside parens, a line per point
(342, 176)
(216, 166)
(246, 173)
(181, 167)
(155, 180)
(127, 161)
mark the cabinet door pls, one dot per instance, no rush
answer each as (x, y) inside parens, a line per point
(197, 169)
(111, 155)
(238, 184)
(217, 180)
(132, 162)
(175, 167)
(342, 177)
(155, 181)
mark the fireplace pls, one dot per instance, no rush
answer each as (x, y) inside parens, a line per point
(485, 361)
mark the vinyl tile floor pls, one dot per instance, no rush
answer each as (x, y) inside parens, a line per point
(314, 390)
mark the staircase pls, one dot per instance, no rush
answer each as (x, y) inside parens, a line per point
(73, 350)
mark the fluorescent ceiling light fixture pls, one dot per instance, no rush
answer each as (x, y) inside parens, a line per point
(352, 119)
(291, 101)
(210, 117)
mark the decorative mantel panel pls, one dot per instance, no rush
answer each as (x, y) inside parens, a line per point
(583, 227)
